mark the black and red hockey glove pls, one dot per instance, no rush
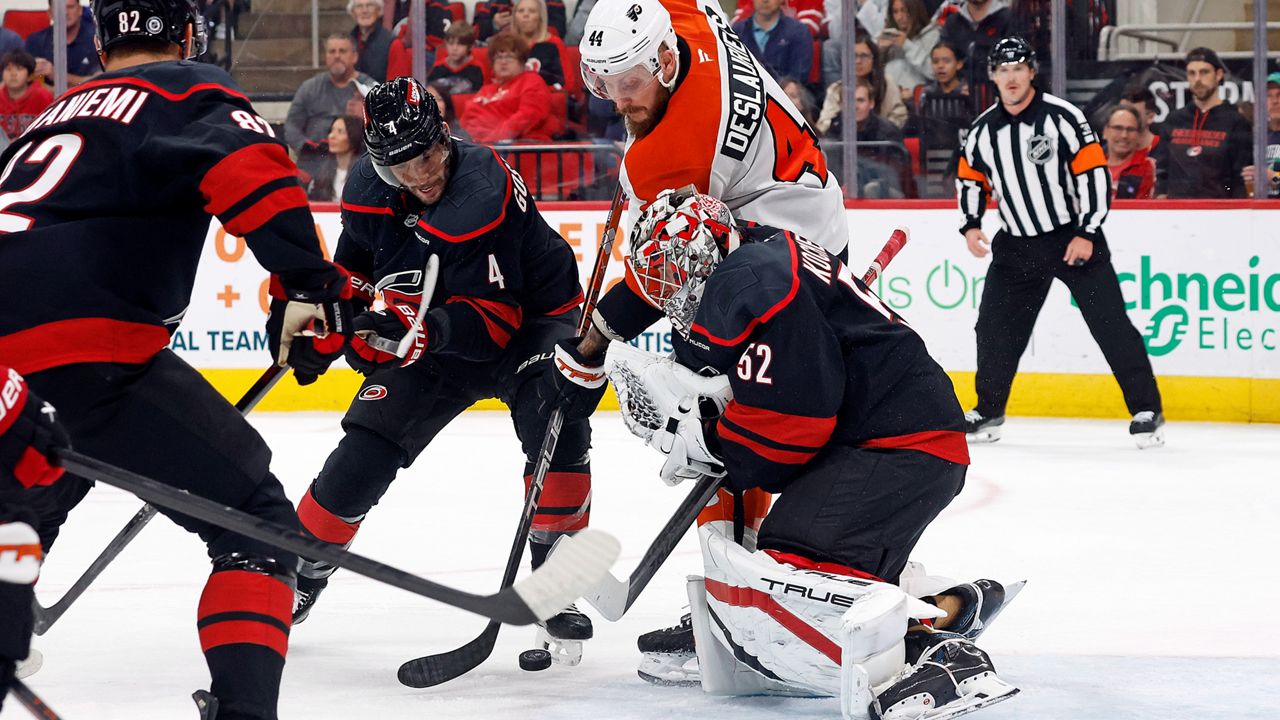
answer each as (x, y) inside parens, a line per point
(307, 333)
(379, 337)
(29, 433)
(574, 383)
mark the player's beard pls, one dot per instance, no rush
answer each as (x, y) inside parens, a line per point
(650, 118)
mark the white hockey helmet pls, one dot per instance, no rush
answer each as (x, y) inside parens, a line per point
(621, 44)
(676, 244)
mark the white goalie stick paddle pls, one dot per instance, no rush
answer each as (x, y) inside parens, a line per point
(613, 597)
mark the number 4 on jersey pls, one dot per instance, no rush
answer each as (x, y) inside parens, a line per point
(795, 147)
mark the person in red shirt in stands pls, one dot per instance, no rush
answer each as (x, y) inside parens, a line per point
(21, 100)
(1133, 171)
(515, 104)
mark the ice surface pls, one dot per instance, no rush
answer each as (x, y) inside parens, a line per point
(1153, 584)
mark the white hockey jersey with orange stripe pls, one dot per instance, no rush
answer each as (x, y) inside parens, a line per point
(730, 131)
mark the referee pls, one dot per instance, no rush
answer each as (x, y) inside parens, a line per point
(1037, 154)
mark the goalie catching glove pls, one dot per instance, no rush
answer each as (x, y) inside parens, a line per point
(308, 333)
(668, 406)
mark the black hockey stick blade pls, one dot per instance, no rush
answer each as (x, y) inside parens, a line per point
(45, 617)
(613, 597)
(431, 670)
(541, 595)
(31, 701)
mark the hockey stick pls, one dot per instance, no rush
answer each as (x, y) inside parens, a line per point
(45, 617)
(613, 597)
(435, 669)
(31, 701)
(539, 596)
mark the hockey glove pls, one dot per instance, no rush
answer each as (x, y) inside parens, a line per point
(575, 382)
(683, 440)
(378, 334)
(29, 433)
(308, 336)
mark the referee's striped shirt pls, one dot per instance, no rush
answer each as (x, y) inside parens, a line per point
(1044, 166)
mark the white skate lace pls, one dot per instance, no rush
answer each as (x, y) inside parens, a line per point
(973, 416)
(1145, 416)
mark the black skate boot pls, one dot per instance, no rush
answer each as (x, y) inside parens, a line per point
(951, 677)
(1147, 429)
(562, 635)
(305, 596)
(979, 428)
(983, 601)
(669, 657)
(206, 703)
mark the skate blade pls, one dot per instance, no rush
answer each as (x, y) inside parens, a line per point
(1149, 440)
(670, 669)
(986, 691)
(986, 435)
(563, 652)
(30, 665)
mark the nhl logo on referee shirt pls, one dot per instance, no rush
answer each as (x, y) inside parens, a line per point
(1040, 149)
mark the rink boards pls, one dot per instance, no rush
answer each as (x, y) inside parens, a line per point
(1202, 281)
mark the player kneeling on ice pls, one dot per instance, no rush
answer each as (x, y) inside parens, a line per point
(833, 403)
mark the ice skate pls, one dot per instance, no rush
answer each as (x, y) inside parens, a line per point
(29, 665)
(983, 601)
(668, 656)
(206, 703)
(1147, 429)
(950, 678)
(981, 429)
(562, 635)
(305, 596)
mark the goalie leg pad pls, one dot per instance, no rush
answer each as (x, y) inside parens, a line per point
(721, 509)
(788, 626)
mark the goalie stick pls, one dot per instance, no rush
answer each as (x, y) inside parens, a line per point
(613, 597)
(431, 670)
(45, 617)
(537, 597)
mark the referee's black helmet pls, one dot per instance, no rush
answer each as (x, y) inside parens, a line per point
(1011, 51)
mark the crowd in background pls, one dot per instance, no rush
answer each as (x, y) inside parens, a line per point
(511, 75)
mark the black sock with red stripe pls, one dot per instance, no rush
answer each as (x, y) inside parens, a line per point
(563, 508)
(244, 619)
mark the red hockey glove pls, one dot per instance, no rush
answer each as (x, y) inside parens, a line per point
(379, 335)
(29, 433)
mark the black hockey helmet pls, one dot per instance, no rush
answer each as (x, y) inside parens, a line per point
(401, 122)
(1011, 51)
(123, 20)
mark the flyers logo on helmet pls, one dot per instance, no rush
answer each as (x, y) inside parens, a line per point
(634, 13)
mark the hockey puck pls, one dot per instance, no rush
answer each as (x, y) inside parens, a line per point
(534, 660)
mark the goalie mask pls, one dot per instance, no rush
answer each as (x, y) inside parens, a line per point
(675, 245)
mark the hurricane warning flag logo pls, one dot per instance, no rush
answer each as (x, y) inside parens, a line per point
(1165, 331)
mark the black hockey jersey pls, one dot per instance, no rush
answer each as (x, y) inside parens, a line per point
(500, 263)
(813, 358)
(105, 204)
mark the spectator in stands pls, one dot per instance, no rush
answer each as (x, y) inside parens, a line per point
(458, 73)
(215, 11)
(9, 41)
(975, 28)
(515, 104)
(780, 43)
(882, 160)
(573, 36)
(82, 54)
(373, 41)
(801, 98)
(339, 90)
(809, 13)
(1206, 145)
(1133, 172)
(400, 52)
(1273, 142)
(1145, 101)
(497, 15)
(886, 94)
(342, 149)
(529, 21)
(444, 101)
(21, 100)
(906, 43)
(944, 108)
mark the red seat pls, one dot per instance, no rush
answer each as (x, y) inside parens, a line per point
(25, 22)
(555, 175)
(460, 103)
(913, 149)
(458, 11)
(815, 70)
